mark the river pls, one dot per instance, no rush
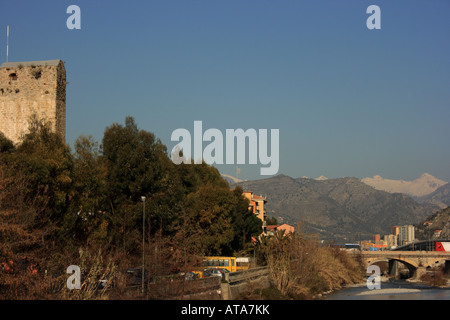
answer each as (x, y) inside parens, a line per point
(391, 290)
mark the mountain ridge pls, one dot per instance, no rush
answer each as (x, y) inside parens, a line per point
(440, 197)
(338, 209)
(422, 186)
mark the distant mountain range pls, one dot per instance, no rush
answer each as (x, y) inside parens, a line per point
(343, 209)
(230, 179)
(440, 197)
(422, 186)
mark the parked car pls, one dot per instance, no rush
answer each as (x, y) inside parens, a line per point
(198, 273)
(191, 276)
(215, 272)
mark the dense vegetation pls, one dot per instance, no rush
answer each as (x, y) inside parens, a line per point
(440, 220)
(60, 207)
(300, 267)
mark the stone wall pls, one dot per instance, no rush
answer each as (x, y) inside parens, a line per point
(32, 88)
(245, 281)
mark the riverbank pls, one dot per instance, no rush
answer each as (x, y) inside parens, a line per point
(390, 290)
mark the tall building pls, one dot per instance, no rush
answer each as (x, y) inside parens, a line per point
(406, 235)
(34, 88)
(257, 206)
(391, 241)
(376, 238)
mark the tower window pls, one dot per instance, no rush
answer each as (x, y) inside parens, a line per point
(13, 77)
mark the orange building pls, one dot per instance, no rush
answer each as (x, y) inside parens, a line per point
(257, 206)
(272, 230)
(395, 230)
(287, 228)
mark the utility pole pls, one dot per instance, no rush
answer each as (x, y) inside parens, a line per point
(143, 243)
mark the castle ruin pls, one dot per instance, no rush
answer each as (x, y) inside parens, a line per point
(34, 88)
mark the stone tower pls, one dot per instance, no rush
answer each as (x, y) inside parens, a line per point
(28, 89)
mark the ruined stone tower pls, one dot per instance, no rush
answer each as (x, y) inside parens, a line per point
(32, 88)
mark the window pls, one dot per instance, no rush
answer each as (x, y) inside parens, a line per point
(13, 77)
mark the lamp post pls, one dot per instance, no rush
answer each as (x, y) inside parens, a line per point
(143, 242)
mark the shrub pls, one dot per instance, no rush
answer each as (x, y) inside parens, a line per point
(301, 267)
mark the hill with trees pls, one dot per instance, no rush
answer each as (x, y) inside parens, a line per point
(60, 207)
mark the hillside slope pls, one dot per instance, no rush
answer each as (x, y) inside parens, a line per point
(339, 209)
(440, 197)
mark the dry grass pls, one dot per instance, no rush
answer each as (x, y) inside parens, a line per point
(435, 277)
(301, 267)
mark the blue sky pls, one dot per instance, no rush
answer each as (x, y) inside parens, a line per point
(348, 101)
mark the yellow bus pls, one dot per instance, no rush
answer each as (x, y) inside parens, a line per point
(228, 263)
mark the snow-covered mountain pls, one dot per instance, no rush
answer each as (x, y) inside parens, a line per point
(422, 186)
(230, 179)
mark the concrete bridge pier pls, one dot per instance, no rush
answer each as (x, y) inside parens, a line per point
(420, 271)
(414, 272)
(393, 269)
(447, 267)
(415, 261)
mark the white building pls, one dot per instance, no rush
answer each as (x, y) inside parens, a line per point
(406, 235)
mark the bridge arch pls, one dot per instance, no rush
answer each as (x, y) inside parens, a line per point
(415, 261)
(410, 264)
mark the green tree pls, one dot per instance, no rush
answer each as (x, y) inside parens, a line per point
(46, 162)
(35, 192)
(217, 221)
(208, 226)
(137, 165)
(271, 221)
(133, 161)
(89, 213)
(245, 224)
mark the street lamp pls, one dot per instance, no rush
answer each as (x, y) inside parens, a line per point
(143, 242)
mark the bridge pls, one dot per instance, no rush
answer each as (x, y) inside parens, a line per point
(417, 262)
(425, 245)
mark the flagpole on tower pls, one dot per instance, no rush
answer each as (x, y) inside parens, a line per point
(7, 43)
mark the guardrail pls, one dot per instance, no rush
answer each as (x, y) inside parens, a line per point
(210, 288)
(238, 282)
(246, 275)
(179, 289)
